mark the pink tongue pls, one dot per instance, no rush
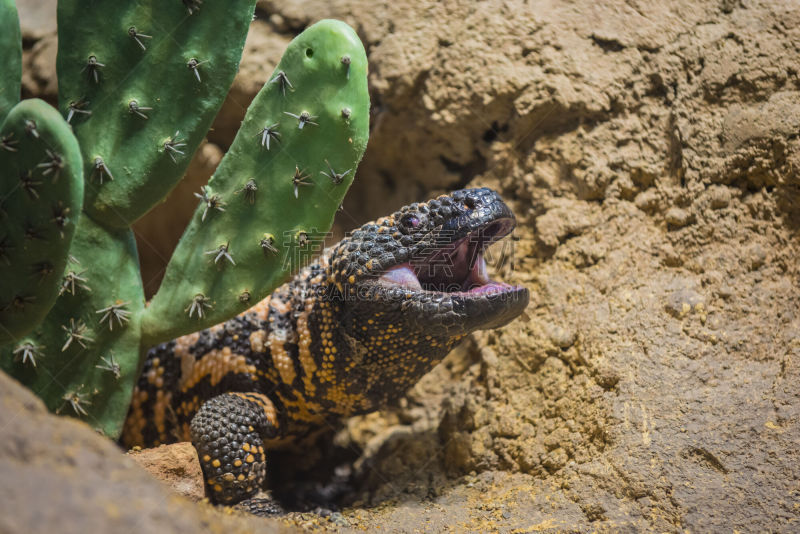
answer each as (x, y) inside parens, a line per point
(491, 287)
(401, 275)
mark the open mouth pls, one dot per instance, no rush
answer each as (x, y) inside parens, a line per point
(458, 267)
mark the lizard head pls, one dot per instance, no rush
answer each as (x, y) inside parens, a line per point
(422, 269)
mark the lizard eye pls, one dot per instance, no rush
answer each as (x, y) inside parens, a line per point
(409, 220)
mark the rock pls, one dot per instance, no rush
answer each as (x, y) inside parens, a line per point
(745, 123)
(648, 200)
(459, 457)
(725, 291)
(59, 475)
(39, 68)
(489, 357)
(566, 219)
(719, 197)
(555, 460)
(756, 256)
(670, 257)
(561, 336)
(684, 301)
(606, 377)
(678, 217)
(37, 18)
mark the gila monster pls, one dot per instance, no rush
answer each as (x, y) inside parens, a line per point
(350, 333)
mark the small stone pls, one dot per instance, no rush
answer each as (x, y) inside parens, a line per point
(175, 465)
(562, 337)
(555, 460)
(678, 217)
(647, 200)
(606, 378)
(719, 197)
(338, 519)
(670, 257)
(556, 438)
(684, 301)
(489, 357)
(595, 512)
(279, 23)
(757, 256)
(459, 456)
(727, 6)
(566, 219)
(725, 291)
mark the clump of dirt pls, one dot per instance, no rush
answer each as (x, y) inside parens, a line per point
(650, 151)
(176, 465)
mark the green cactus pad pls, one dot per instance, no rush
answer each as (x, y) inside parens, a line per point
(141, 82)
(10, 57)
(277, 189)
(41, 192)
(92, 329)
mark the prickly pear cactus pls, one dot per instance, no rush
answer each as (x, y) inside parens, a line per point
(140, 82)
(276, 190)
(41, 193)
(11, 57)
(90, 342)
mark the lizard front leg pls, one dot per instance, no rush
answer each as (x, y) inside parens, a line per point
(229, 432)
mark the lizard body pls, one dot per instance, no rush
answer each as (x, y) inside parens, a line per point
(351, 332)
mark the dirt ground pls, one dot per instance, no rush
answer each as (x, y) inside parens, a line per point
(650, 151)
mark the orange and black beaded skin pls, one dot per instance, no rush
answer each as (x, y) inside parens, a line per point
(267, 378)
(328, 344)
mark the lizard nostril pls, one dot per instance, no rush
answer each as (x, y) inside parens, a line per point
(411, 221)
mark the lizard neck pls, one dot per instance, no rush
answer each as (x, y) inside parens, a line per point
(357, 355)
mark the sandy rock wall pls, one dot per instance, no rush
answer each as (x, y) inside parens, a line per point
(651, 152)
